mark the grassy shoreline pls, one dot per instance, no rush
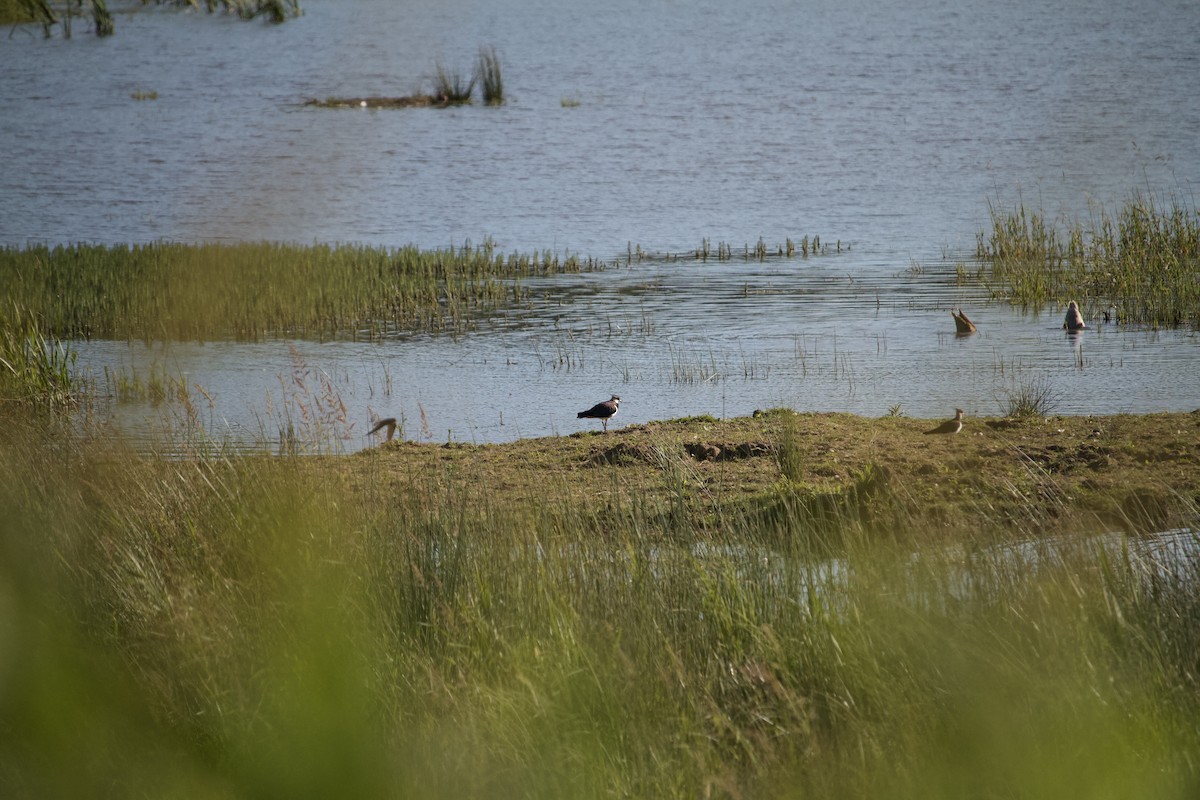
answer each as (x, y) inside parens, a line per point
(1079, 474)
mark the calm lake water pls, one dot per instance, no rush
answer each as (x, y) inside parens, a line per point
(887, 127)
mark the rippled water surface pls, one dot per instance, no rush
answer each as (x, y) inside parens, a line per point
(887, 127)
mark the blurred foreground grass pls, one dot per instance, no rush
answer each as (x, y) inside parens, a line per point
(394, 624)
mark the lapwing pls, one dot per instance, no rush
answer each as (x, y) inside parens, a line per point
(386, 422)
(962, 323)
(950, 425)
(1074, 320)
(602, 411)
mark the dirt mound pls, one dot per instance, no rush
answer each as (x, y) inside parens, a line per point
(707, 451)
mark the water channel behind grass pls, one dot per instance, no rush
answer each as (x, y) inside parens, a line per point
(674, 338)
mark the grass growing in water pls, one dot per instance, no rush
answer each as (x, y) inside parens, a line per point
(1145, 261)
(35, 370)
(247, 291)
(491, 81)
(452, 87)
(50, 14)
(342, 627)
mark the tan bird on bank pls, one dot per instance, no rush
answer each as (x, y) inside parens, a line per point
(386, 422)
(950, 425)
(962, 324)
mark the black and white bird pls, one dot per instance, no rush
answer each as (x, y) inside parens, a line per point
(950, 425)
(602, 411)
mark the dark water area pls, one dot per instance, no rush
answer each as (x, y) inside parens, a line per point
(889, 128)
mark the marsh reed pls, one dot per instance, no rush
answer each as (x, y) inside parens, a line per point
(488, 73)
(1144, 261)
(248, 291)
(35, 369)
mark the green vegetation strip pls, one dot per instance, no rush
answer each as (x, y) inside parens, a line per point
(248, 291)
(49, 13)
(672, 611)
(1141, 266)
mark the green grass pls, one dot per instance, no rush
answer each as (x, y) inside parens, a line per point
(488, 73)
(34, 370)
(451, 87)
(1033, 397)
(49, 13)
(248, 291)
(1145, 261)
(279, 627)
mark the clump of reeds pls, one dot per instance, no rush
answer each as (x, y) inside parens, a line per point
(35, 369)
(1035, 397)
(487, 72)
(45, 13)
(790, 454)
(247, 291)
(450, 87)
(1144, 261)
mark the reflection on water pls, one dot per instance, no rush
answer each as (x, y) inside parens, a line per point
(828, 333)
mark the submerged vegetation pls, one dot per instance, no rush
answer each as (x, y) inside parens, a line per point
(450, 88)
(171, 291)
(50, 14)
(782, 606)
(247, 291)
(1141, 266)
(491, 81)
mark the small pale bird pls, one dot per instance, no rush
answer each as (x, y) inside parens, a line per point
(386, 422)
(602, 411)
(962, 323)
(1074, 320)
(950, 425)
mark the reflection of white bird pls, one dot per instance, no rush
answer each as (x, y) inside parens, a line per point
(1074, 320)
(602, 411)
(386, 422)
(950, 425)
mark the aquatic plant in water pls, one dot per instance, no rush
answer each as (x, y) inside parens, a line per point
(35, 369)
(451, 87)
(50, 14)
(491, 81)
(164, 290)
(1141, 266)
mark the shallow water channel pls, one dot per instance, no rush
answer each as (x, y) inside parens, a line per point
(832, 332)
